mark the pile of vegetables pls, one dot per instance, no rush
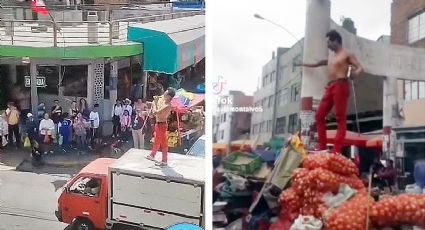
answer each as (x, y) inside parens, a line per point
(322, 173)
(406, 209)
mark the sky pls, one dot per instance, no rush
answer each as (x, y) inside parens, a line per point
(242, 44)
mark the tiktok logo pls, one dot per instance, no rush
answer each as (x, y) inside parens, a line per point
(218, 86)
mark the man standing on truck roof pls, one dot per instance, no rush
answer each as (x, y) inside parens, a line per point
(337, 91)
(162, 109)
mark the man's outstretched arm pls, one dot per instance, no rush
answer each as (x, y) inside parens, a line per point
(320, 63)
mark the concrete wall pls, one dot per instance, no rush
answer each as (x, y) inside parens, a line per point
(414, 112)
(381, 59)
(401, 10)
(61, 16)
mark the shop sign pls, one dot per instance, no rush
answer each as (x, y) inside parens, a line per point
(40, 82)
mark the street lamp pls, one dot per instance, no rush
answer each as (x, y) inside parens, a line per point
(278, 25)
(278, 67)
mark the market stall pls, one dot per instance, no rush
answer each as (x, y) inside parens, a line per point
(186, 122)
(311, 190)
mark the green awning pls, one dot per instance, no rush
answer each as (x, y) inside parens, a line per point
(171, 45)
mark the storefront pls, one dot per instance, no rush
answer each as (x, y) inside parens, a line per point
(99, 74)
(410, 147)
(173, 54)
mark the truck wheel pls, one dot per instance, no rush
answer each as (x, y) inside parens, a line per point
(83, 224)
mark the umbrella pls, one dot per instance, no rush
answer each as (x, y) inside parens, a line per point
(375, 142)
(351, 138)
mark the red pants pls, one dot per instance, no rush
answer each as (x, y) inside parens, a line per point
(160, 140)
(336, 94)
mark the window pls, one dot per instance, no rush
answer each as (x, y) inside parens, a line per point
(273, 76)
(222, 134)
(75, 80)
(51, 73)
(422, 90)
(414, 90)
(280, 125)
(295, 92)
(281, 69)
(295, 60)
(271, 101)
(254, 129)
(293, 121)
(264, 102)
(416, 28)
(262, 127)
(86, 186)
(283, 97)
(269, 126)
(266, 80)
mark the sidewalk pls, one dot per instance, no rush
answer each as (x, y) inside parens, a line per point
(11, 158)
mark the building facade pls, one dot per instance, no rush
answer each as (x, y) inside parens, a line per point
(280, 97)
(228, 125)
(408, 29)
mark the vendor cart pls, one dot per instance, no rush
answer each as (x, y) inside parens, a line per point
(186, 122)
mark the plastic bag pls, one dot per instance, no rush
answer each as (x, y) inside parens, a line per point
(4, 141)
(27, 143)
(307, 223)
(419, 173)
(413, 189)
(60, 139)
(344, 193)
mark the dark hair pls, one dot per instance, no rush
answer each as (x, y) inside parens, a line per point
(56, 100)
(171, 92)
(334, 36)
(65, 115)
(391, 162)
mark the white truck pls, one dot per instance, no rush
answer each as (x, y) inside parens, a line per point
(133, 193)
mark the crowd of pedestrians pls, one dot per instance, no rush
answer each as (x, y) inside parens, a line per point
(77, 129)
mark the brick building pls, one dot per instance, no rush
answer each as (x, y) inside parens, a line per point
(408, 29)
(408, 23)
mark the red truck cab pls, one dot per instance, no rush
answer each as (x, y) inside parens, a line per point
(84, 199)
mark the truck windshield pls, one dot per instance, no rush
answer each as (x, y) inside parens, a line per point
(198, 149)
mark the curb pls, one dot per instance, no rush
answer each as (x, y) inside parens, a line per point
(60, 164)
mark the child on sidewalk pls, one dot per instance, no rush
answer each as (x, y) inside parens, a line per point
(65, 132)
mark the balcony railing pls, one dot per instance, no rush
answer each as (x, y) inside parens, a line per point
(49, 33)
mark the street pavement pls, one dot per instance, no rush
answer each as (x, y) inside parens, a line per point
(28, 199)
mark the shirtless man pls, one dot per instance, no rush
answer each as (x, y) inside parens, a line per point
(337, 91)
(161, 112)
